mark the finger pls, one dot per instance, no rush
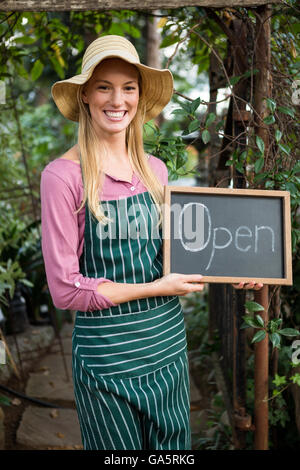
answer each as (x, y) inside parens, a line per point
(258, 286)
(196, 287)
(250, 285)
(193, 277)
(239, 286)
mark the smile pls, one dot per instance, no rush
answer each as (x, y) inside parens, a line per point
(115, 115)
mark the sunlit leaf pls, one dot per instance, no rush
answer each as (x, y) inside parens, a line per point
(259, 336)
(286, 110)
(205, 136)
(260, 144)
(253, 306)
(289, 332)
(37, 70)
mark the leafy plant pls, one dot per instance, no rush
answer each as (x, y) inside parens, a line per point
(188, 109)
(172, 150)
(272, 328)
(218, 435)
(10, 273)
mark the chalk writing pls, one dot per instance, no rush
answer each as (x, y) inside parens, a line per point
(218, 238)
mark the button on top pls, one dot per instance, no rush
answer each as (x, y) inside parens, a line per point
(132, 188)
(77, 284)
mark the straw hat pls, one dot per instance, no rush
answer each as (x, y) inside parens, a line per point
(157, 84)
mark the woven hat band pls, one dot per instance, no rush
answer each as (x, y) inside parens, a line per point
(113, 52)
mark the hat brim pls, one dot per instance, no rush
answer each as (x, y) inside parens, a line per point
(157, 90)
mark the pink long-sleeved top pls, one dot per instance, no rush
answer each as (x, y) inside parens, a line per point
(63, 231)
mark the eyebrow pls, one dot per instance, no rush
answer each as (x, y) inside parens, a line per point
(106, 81)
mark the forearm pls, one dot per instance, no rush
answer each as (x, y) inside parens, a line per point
(125, 292)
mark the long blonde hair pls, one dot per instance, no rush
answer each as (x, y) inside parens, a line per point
(91, 158)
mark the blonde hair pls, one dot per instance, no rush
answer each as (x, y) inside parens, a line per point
(92, 154)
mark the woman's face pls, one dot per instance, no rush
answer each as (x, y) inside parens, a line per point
(112, 94)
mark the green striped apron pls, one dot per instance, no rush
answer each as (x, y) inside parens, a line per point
(130, 367)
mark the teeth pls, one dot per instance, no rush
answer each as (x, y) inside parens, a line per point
(115, 114)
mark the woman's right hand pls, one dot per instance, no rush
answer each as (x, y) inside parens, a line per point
(178, 284)
(171, 284)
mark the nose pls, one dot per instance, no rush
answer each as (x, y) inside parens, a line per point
(116, 97)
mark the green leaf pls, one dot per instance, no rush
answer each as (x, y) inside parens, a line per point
(278, 135)
(21, 70)
(260, 177)
(269, 119)
(234, 80)
(291, 187)
(285, 148)
(260, 144)
(239, 167)
(57, 67)
(275, 393)
(279, 380)
(186, 107)
(286, 110)
(250, 322)
(26, 282)
(220, 125)
(253, 306)
(275, 340)
(194, 125)
(205, 136)
(271, 104)
(25, 40)
(178, 111)
(195, 104)
(274, 325)
(131, 30)
(289, 332)
(210, 119)
(243, 155)
(258, 165)
(169, 40)
(269, 184)
(259, 321)
(249, 73)
(117, 29)
(4, 400)
(296, 379)
(36, 70)
(259, 336)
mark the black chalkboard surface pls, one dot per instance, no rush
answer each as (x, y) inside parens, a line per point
(228, 235)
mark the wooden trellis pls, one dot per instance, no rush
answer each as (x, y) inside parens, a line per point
(65, 5)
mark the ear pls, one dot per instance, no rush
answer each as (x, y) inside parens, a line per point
(84, 96)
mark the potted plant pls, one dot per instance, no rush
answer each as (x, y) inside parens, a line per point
(13, 238)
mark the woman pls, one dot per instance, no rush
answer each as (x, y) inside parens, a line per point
(102, 246)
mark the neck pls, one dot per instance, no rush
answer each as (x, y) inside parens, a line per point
(116, 147)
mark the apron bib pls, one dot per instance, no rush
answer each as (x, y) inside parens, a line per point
(136, 337)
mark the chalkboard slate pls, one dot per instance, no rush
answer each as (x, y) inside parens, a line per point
(228, 235)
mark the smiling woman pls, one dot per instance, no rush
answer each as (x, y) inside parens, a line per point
(130, 367)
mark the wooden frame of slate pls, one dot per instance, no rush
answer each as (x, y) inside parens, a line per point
(228, 235)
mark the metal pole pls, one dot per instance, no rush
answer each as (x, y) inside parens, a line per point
(261, 374)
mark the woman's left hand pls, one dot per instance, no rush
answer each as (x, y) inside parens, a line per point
(250, 285)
